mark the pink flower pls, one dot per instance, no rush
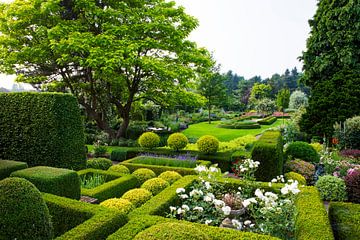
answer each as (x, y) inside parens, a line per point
(336, 174)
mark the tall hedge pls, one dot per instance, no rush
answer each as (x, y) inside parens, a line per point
(268, 150)
(42, 129)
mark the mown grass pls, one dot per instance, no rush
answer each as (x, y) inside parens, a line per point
(199, 129)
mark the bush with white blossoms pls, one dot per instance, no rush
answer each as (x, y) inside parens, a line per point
(246, 169)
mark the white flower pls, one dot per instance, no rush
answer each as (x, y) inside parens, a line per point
(274, 180)
(184, 196)
(207, 222)
(269, 184)
(236, 224)
(196, 192)
(180, 190)
(247, 222)
(239, 188)
(226, 210)
(172, 209)
(200, 168)
(259, 194)
(271, 195)
(200, 209)
(218, 203)
(180, 211)
(213, 169)
(247, 202)
(284, 190)
(207, 185)
(185, 207)
(252, 225)
(209, 197)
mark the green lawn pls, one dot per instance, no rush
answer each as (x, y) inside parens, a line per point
(223, 134)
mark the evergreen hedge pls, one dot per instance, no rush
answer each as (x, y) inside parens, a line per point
(7, 167)
(42, 129)
(345, 220)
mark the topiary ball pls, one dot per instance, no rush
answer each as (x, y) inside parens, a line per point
(119, 169)
(295, 176)
(306, 169)
(155, 185)
(352, 182)
(99, 163)
(172, 231)
(170, 176)
(137, 196)
(149, 140)
(208, 144)
(302, 150)
(143, 174)
(177, 141)
(317, 146)
(120, 204)
(331, 188)
(23, 212)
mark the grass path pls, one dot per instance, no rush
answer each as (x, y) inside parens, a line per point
(199, 129)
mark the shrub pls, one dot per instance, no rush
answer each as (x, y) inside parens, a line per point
(143, 174)
(268, 120)
(187, 162)
(118, 155)
(306, 169)
(298, 99)
(137, 196)
(302, 150)
(331, 188)
(177, 141)
(208, 144)
(122, 205)
(348, 133)
(170, 176)
(58, 181)
(155, 185)
(295, 176)
(345, 219)
(149, 140)
(24, 214)
(317, 146)
(268, 151)
(42, 129)
(352, 153)
(352, 182)
(7, 167)
(178, 231)
(119, 169)
(99, 163)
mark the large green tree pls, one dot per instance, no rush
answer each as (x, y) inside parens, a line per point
(332, 66)
(108, 53)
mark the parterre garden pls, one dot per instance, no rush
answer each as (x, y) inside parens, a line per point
(269, 187)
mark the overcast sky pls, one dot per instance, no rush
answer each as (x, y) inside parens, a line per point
(249, 37)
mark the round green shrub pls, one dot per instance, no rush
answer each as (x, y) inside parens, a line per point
(99, 163)
(120, 204)
(302, 150)
(23, 212)
(137, 196)
(149, 140)
(143, 174)
(177, 141)
(208, 144)
(304, 168)
(317, 146)
(296, 176)
(119, 169)
(331, 188)
(170, 176)
(155, 185)
(172, 231)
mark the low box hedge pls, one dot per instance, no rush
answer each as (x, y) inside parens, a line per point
(58, 181)
(345, 220)
(110, 175)
(267, 121)
(77, 220)
(9, 166)
(118, 155)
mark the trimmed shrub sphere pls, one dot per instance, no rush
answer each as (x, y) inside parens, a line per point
(119, 169)
(304, 168)
(23, 212)
(137, 196)
(155, 185)
(149, 140)
(303, 151)
(208, 144)
(177, 141)
(295, 176)
(143, 174)
(331, 188)
(172, 231)
(99, 163)
(170, 176)
(120, 204)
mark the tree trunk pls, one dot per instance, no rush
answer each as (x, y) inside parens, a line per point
(123, 128)
(209, 114)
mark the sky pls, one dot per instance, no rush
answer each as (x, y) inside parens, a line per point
(249, 37)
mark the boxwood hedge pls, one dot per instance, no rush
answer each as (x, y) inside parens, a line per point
(8, 166)
(345, 220)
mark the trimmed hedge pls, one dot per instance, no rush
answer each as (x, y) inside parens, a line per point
(303, 151)
(267, 121)
(240, 125)
(42, 129)
(345, 220)
(110, 175)
(78, 220)
(8, 166)
(99, 163)
(118, 155)
(268, 150)
(58, 181)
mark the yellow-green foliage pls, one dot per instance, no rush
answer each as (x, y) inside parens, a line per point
(296, 176)
(122, 205)
(170, 176)
(137, 196)
(155, 185)
(177, 141)
(119, 169)
(143, 174)
(317, 146)
(172, 231)
(237, 143)
(208, 144)
(149, 140)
